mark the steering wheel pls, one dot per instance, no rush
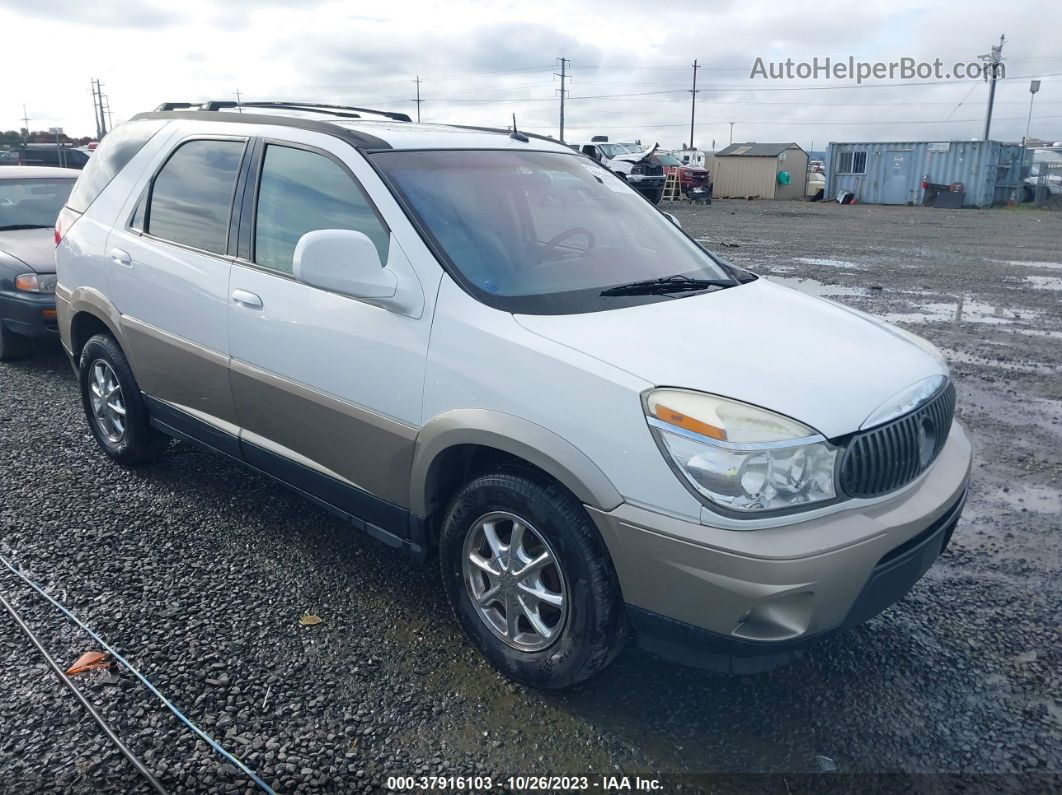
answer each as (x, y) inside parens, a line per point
(575, 231)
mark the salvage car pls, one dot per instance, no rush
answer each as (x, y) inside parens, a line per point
(637, 167)
(490, 352)
(30, 200)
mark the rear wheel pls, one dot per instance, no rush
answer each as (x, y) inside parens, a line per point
(530, 580)
(113, 405)
(12, 345)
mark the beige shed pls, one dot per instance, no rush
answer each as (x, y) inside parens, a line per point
(750, 169)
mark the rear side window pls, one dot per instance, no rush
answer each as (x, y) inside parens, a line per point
(191, 198)
(300, 192)
(110, 157)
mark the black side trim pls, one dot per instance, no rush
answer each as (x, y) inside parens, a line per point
(191, 429)
(355, 138)
(381, 519)
(397, 527)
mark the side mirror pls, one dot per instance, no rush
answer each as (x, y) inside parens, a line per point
(343, 261)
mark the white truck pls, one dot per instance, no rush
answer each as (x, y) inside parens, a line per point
(639, 168)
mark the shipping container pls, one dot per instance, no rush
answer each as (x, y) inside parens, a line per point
(894, 172)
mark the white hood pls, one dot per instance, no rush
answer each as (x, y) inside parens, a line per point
(816, 361)
(636, 157)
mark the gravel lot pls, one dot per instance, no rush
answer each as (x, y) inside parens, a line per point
(199, 571)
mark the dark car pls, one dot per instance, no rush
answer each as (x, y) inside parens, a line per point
(52, 155)
(30, 200)
(689, 175)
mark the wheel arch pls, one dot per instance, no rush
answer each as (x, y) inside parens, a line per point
(83, 313)
(454, 439)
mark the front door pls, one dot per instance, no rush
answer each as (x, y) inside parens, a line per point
(898, 186)
(327, 388)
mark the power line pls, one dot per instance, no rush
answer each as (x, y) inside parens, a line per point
(816, 122)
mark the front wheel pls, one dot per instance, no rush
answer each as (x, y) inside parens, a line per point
(530, 580)
(113, 406)
(655, 195)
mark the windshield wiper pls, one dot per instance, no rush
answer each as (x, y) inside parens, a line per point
(666, 284)
(14, 227)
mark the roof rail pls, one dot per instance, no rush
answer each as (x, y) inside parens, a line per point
(343, 111)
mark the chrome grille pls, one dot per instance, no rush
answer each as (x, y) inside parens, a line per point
(885, 458)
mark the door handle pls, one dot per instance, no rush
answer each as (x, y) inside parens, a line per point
(247, 299)
(121, 257)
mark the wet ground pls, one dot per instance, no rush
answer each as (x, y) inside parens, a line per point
(200, 571)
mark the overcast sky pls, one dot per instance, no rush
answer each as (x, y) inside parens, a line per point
(480, 63)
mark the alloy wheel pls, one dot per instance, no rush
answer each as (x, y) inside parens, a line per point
(515, 581)
(108, 404)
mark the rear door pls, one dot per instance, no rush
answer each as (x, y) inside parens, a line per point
(327, 388)
(168, 276)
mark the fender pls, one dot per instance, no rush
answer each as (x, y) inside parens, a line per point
(69, 303)
(510, 434)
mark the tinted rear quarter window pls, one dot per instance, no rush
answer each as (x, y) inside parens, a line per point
(110, 157)
(191, 199)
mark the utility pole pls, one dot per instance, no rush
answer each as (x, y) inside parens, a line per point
(993, 62)
(563, 76)
(98, 105)
(693, 101)
(418, 100)
(95, 105)
(25, 125)
(731, 132)
(1034, 86)
(239, 102)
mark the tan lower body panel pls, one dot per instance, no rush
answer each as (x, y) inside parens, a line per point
(370, 451)
(178, 371)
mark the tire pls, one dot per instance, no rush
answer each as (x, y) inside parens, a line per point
(1027, 194)
(138, 443)
(12, 346)
(593, 627)
(655, 195)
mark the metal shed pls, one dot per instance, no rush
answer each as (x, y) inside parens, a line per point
(752, 169)
(892, 172)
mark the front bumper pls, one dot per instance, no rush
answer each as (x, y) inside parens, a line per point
(643, 183)
(747, 600)
(29, 314)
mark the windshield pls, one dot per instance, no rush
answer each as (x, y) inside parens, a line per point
(543, 232)
(667, 160)
(29, 203)
(612, 150)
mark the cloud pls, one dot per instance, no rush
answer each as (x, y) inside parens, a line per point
(111, 13)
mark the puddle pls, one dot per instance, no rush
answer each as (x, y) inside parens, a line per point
(1045, 282)
(833, 263)
(1038, 499)
(1030, 263)
(963, 310)
(814, 287)
(954, 355)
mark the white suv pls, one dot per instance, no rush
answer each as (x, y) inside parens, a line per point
(485, 349)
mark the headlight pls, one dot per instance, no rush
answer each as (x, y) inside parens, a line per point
(739, 456)
(35, 282)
